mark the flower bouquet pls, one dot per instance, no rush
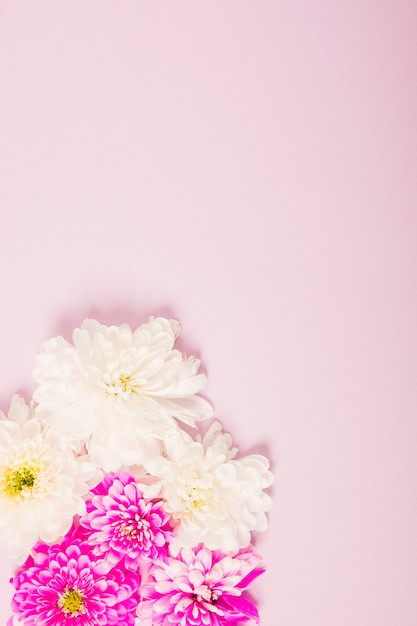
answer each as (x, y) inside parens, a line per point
(114, 509)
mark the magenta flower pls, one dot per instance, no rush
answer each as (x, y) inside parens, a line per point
(123, 525)
(65, 585)
(201, 588)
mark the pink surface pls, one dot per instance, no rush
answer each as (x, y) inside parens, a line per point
(248, 168)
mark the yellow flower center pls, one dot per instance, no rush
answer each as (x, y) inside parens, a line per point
(194, 499)
(72, 603)
(196, 493)
(20, 479)
(121, 386)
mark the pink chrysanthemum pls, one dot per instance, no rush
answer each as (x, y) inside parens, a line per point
(65, 585)
(201, 588)
(123, 525)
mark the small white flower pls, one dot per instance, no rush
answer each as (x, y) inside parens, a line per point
(42, 482)
(215, 498)
(117, 390)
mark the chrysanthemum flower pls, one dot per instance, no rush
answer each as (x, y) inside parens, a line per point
(201, 588)
(65, 585)
(122, 525)
(215, 498)
(42, 482)
(118, 390)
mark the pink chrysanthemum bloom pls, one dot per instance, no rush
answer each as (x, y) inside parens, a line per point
(65, 584)
(201, 588)
(123, 525)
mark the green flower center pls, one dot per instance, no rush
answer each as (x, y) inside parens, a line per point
(72, 602)
(23, 477)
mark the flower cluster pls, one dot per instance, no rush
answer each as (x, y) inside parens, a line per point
(113, 512)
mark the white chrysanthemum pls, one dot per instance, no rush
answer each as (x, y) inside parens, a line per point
(118, 390)
(216, 498)
(42, 482)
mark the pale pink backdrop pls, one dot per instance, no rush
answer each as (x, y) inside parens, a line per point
(248, 167)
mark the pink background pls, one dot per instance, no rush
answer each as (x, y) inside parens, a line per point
(248, 167)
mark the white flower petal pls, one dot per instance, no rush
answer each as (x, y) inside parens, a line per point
(215, 498)
(42, 482)
(115, 389)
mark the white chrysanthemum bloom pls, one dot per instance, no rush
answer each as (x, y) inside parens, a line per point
(42, 482)
(215, 498)
(117, 390)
